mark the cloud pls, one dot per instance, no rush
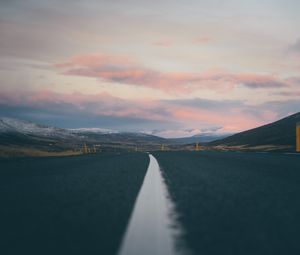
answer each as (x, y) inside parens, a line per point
(207, 104)
(287, 93)
(231, 115)
(98, 104)
(103, 110)
(80, 110)
(295, 47)
(282, 108)
(125, 70)
(259, 81)
(294, 80)
(165, 43)
(203, 39)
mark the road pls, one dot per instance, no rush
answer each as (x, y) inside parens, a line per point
(236, 203)
(69, 205)
(151, 227)
(227, 203)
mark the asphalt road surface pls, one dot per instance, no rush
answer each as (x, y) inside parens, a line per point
(227, 203)
(71, 205)
(236, 203)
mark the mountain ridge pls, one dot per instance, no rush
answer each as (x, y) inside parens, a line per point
(276, 136)
(26, 135)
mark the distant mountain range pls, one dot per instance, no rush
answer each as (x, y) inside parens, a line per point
(277, 136)
(26, 135)
(27, 128)
(199, 138)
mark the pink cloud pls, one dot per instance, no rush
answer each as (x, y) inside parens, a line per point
(259, 81)
(231, 116)
(165, 43)
(96, 60)
(124, 70)
(98, 104)
(203, 39)
(287, 93)
(235, 120)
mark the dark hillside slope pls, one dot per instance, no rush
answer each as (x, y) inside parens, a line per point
(279, 135)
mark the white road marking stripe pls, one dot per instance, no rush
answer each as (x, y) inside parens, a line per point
(151, 229)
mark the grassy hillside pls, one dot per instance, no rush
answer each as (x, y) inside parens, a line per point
(276, 136)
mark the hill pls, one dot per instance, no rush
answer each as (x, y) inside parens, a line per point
(28, 138)
(277, 136)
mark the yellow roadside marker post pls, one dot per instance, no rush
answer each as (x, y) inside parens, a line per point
(197, 148)
(298, 137)
(84, 149)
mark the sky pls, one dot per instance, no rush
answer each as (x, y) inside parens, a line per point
(168, 68)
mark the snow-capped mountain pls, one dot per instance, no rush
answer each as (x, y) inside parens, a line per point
(93, 130)
(20, 131)
(10, 125)
(21, 136)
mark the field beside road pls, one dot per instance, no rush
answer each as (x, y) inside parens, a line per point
(68, 205)
(236, 203)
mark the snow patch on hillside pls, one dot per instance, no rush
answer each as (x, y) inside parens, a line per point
(93, 130)
(30, 128)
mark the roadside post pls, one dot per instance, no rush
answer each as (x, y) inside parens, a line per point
(298, 137)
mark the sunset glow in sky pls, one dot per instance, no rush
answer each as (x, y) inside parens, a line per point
(169, 68)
